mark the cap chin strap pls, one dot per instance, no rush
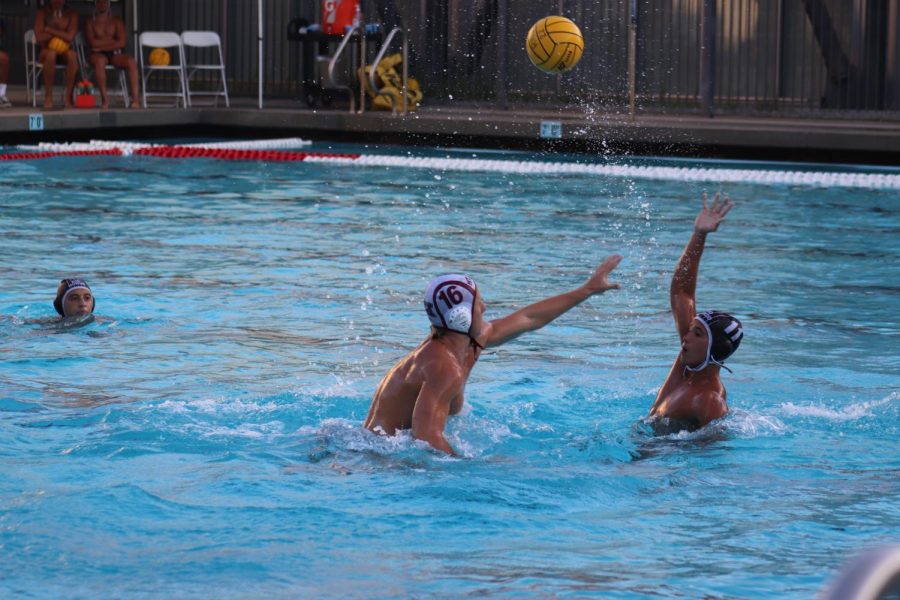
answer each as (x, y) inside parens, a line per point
(709, 358)
(468, 335)
(475, 342)
(469, 332)
(715, 362)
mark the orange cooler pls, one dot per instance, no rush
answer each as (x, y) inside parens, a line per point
(337, 15)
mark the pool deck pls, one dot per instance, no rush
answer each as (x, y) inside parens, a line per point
(461, 124)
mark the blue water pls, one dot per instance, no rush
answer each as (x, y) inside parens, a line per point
(201, 438)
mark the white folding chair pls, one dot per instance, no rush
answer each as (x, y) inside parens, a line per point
(170, 41)
(87, 70)
(34, 68)
(198, 46)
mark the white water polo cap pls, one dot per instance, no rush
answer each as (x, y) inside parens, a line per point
(450, 302)
(723, 336)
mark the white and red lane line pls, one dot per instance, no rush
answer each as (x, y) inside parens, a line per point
(44, 154)
(267, 150)
(768, 177)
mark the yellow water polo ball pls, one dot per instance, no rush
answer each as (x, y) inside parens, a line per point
(159, 57)
(58, 45)
(554, 44)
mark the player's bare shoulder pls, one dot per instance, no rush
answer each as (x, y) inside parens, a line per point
(710, 405)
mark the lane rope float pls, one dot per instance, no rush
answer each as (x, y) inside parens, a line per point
(277, 151)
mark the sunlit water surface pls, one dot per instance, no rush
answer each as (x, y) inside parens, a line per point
(201, 438)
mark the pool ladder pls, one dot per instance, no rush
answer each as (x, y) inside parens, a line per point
(333, 61)
(404, 102)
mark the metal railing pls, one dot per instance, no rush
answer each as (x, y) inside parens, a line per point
(335, 59)
(404, 77)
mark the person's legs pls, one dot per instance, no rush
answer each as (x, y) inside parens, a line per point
(48, 61)
(100, 61)
(127, 62)
(4, 75)
(71, 74)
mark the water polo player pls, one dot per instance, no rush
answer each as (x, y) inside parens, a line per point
(427, 385)
(693, 394)
(74, 298)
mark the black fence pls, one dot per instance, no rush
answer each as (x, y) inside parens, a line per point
(823, 58)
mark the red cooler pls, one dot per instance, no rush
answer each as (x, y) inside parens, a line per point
(337, 15)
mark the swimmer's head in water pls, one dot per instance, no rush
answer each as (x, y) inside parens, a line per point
(723, 336)
(450, 302)
(66, 288)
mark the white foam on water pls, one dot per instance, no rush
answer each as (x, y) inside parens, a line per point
(338, 388)
(244, 430)
(206, 418)
(738, 423)
(851, 412)
(473, 436)
(217, 406)
(746, 424)
(469, 437)
(351, 435)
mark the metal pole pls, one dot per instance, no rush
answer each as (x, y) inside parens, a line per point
(260, 34)
(632, 58)
(403, 92)
(892, 64)
(362, 68)
(708, 55)
(502, 12)
(779, 48)
(134, 24)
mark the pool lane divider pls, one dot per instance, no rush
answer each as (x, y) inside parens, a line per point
(249, 151)
(221, 154)
(128, 148)
(35, 155)
(693, 174)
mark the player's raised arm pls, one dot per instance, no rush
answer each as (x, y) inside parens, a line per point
(682, 293)
(537, 315)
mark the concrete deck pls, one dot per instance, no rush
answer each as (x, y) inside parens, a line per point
(461, 124)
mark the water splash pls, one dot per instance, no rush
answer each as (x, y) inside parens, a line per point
(851, 412)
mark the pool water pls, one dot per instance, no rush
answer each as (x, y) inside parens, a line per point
(201, 437)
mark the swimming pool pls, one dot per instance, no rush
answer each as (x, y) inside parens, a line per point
(202, 437)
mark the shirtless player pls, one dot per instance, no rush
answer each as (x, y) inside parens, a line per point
(56, 21)
(428, 384)
(105, 35)
(693, 394)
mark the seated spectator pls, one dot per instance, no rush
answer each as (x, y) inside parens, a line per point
(55, 28)
(4, 71)
(105, 36)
